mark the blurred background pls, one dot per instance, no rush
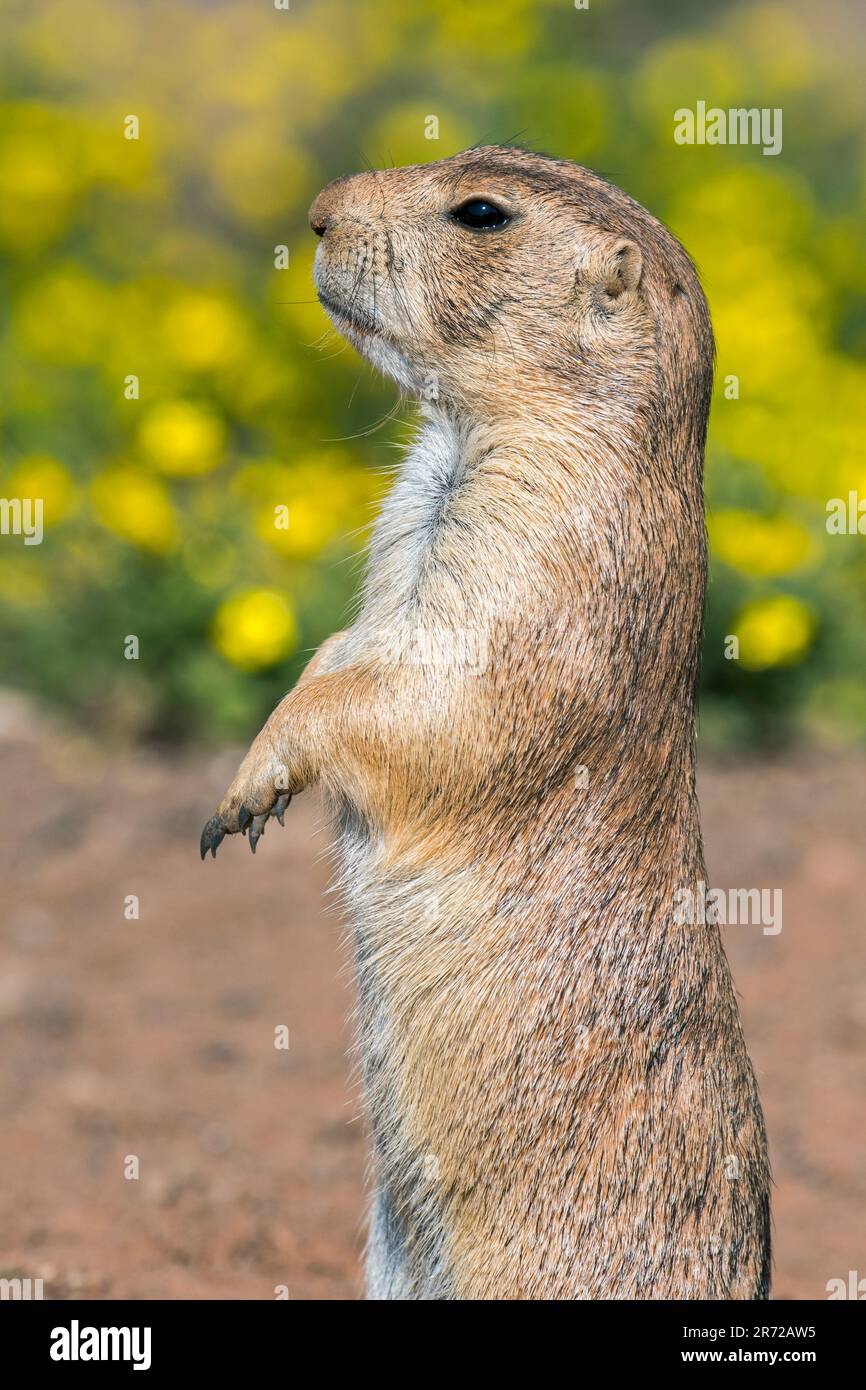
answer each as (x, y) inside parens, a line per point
(167, 386)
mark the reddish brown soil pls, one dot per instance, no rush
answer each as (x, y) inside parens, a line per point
(155, 1037)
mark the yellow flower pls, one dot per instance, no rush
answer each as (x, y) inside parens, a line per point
(203, 331)
(758, 545)
(40, 177)
(39, 475)
(64, 316)
(759, 320)
(255, 629)
(136, 507)
(306, 518)
(300, 509)
(182, 438)
(774, 631)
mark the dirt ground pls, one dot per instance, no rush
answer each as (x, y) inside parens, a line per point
(154, 1037)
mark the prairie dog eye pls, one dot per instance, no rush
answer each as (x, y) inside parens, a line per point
(480, 215)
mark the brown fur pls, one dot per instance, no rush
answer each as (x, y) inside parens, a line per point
(560, 1096)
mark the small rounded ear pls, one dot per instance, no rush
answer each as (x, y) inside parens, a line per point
(612, 268)
(626, 268)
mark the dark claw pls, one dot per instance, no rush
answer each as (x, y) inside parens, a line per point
(257, 830)
(282, 804)
(244, 818)
(212, 836)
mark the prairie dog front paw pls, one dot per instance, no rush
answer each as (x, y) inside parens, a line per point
(282, 760)
(260, 789)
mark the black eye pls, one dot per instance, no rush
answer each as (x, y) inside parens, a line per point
(480, 215)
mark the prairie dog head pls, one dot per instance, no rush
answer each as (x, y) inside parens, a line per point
(503, 281)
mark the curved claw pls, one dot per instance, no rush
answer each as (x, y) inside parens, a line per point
(216, 830)
(212, 836)
(257, 830)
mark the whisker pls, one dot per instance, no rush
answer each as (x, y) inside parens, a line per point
(363, 434)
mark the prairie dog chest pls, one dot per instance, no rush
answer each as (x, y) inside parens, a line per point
(413, 518)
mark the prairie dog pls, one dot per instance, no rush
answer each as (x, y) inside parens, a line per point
(560, 1098)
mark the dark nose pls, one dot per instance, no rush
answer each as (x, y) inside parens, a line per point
(322, 211)
(328, 206)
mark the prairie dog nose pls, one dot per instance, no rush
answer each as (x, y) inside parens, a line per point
(319, 217)
(325, 208)
(342, 200)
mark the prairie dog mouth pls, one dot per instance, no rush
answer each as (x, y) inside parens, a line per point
(355, 315)
(369, 336)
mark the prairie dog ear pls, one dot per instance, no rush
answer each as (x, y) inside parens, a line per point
(612, 268)
(626, 268)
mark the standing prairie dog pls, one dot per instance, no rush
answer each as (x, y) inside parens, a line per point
(560, 1098)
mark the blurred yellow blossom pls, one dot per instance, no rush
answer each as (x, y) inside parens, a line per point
(202, 330)
(182, 437)
(299, 527)
(135, 506)
(757, 545)
(775, 631)
(255, 629)
(764, 326)
(40, 475)
(731, 212)
(40, 177)
(300, 508)
(35, 194)
(64, 316)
